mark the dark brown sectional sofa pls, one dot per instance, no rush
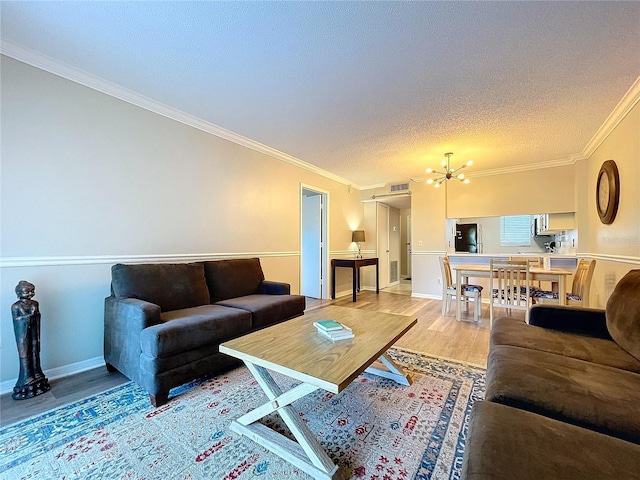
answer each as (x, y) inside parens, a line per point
(563, 394)
(163, 323)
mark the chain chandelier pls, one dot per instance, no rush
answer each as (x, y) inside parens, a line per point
(449, 173)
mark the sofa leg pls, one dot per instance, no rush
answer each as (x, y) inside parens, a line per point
(111, 368)
(159, 399)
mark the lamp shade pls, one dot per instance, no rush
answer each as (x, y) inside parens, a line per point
(357, 236)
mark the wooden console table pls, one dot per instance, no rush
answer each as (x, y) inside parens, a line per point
(354, 264)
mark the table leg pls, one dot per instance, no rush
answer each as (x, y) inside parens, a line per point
(388, 369)
(307, 453)
(333, 281)
(355, 283)
(458, 295)
(562, 290)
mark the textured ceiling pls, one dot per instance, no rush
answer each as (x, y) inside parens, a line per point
(374, 92)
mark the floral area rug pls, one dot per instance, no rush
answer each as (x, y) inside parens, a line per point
(374, 429)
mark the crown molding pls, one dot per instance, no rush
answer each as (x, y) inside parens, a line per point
(517, 168)
(531, 166)
(48, 64)
(625, 105)
(628, 101)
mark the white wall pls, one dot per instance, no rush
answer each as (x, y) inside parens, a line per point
(428, 238)
(547, 190)
(616, 247)
(89, 180)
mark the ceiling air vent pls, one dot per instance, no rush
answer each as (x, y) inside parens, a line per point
(399, 187)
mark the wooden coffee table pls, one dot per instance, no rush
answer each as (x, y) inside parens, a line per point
(294, 348)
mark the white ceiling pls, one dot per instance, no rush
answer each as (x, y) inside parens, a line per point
(374, 92)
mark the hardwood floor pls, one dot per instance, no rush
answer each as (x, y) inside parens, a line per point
(434, 334)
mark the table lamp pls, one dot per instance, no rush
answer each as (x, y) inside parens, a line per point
(357, 236)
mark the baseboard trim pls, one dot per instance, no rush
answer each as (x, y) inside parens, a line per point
(428, 296)
(59, 372)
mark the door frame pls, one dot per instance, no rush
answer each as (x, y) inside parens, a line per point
(324, 255)
(409, 246)
(383, 230)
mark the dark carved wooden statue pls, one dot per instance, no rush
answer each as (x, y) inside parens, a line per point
(26, 325)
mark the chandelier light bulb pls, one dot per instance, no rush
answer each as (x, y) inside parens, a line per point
(448, 173)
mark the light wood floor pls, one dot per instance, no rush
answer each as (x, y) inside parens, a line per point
(434, 334)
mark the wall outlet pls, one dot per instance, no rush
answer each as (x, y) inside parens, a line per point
(439, 281)
(419, 243)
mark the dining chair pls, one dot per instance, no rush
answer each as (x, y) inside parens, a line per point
(535, 285)
(469, 292)
(533, 261)
(579, 295)
(510, 286)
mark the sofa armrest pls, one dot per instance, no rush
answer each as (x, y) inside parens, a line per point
(133, 313)
(124, 320)
(586, 321)
(274, 288)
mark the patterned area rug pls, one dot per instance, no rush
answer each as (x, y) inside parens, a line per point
(374, 429)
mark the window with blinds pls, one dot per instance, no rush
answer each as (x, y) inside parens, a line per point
(515, 231)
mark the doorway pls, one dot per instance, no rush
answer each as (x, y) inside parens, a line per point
(313, 242)
(396, 227)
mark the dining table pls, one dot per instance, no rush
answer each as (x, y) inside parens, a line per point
(557, 277)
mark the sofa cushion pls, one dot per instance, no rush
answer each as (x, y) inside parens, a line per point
(232, 278)
(505, 442)
(192, 328)
(509, 331)
(171, 286)
(268, 309)
(184, 360)
(623, 313)
(586, 394)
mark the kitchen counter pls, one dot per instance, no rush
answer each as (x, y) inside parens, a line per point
(559, 260)
(507, 255)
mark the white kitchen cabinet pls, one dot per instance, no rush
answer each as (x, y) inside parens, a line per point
(553, 223)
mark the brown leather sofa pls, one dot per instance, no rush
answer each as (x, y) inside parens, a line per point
(163, 323)
(563, 394)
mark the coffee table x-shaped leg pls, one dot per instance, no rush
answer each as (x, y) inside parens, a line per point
(307, 453)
